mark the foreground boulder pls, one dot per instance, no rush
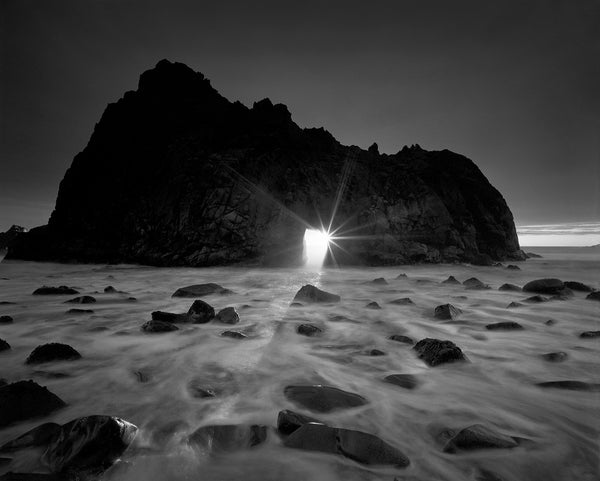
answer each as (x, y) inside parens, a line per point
(589, 334)
(26, 399)
(323, 398)
(446, 312)
(545, 286)
(479, 436)
(38, 436)
(288, 421)
(6, 320)
(154, 326)
(228, 437)
(53, 351)
(228, 315)
(200, 290)
(49, 291)
(201, 312)
(361, 447)
(312, 294)
(435, 352)
(89, 444)
(578, 286)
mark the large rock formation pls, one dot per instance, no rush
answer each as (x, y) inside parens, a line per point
(175, 174)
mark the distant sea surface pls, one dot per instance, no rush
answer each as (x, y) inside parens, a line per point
(152, 380)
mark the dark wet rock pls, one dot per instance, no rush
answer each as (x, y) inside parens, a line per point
(555, 356)
(49, 291)
(201, 312)
(578, 286)
(4, 346)
(447, 311)
(407, 381)
(141, 376)
(361, 447)
(533, 255)
(10, 476)
(379, 281)
(170, 317)
(81, 300)
(479, 436)
(6, 320)
(38, 436)
(218, 439)
(589, 334)
(373, 305)
(375, 352)
(550, 322)
(485, 475)
(288, 421)
(26, 399)
(323, 398)
(234, 334)
(536, 299)
(512, 267)
(403, 301)
(460, 298)
(201, 392)
(475, 284)
(76, 310)
(132, 299)
(435, 351)
(401, 338)
(53, 351)
(482, 260)
(593, 296)
(155, 326)
(340, 318)
(228, 315)
(451, 280)
(296, 304)
(504, 326)
(309, 330)
(200, 290)
(544, 286)
(90, 444)
(6, 303)
(311, 294)
(509, 287)
(570, 385)
(401, 276)
(110, 290)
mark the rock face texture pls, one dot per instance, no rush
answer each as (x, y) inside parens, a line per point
(175, 174)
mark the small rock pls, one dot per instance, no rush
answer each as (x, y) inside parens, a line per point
(233, 334)
(435, 352)
(513, 267)
(589, 334)
(593, 296)
(89, 444)
(555, 356)
(76, 310)
(361, 447)
(110, 290)
(504, 326)
(578, 286)
(404, 301)
(53, 351)
(48, 291)
(37, 436)
(295, 304)
(479, 436)
(401, 338)
(475, 284)
(509, 287)
(536, 299)
(407, 381)
(6, 320)
(323, 398)
(550, 322)
(373, 305)
(201, 312)
(401, 276)
(309, 330)
(81, 300)
(375, 352)
(513, 305)
(447, 311)
(288, 421)
(4, 346)
(155, 326)
(218, 439)
(451, 280)
(570, 385)
(199, 290)
(311, 294)
(228, 315)
(26, 399)
(545, 286)
(379, 281)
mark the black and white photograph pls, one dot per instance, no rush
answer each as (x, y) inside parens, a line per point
(299, 241)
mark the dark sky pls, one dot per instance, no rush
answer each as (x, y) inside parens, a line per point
(514, 85)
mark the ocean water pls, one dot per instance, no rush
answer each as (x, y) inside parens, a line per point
(148, 379)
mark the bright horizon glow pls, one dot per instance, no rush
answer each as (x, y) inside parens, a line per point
(316, 245)
(573, 234)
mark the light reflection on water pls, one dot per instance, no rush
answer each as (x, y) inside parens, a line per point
(495, 388)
